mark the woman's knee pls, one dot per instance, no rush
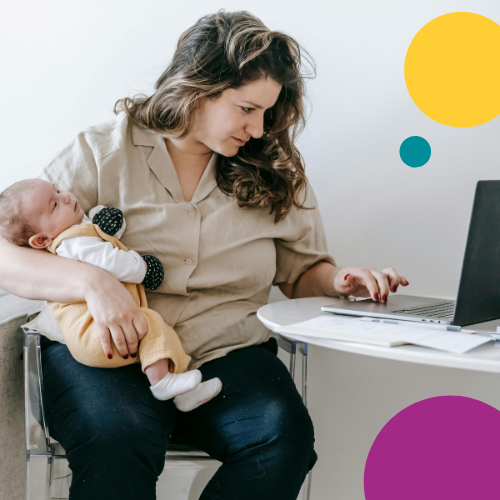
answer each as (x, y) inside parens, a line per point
(284, 431)
(291, 423)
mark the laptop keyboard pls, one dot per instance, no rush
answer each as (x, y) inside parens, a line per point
(440, 310)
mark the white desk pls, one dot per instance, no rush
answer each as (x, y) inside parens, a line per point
(355, 389)
(483, 358)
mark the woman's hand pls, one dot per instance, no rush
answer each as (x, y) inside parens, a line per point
(117, 317)
(363, 282)
(323, 279)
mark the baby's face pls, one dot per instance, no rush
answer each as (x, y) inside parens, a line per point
(51, 210)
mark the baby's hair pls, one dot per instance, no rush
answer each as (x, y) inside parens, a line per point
(14, 227)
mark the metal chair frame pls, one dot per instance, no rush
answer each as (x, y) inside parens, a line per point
(42, 451)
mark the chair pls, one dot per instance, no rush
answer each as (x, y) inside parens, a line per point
(47, 469)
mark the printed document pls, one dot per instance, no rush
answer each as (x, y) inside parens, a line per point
(389, 335)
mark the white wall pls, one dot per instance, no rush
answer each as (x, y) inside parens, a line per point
(64, 64)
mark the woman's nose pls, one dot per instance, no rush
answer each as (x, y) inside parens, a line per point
(255, 127)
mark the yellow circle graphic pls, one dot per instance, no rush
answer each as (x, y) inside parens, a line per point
(452, 69)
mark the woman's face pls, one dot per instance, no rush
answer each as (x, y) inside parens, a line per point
(224, 124)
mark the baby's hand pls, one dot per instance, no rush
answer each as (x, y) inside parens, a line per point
(154, 274)
(109, 220)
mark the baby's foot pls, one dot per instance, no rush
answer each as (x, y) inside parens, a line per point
(201, 394)
(175, 384)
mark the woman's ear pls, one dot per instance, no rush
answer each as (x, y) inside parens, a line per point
(200, 103)
(40, 240)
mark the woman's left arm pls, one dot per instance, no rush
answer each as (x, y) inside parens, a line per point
(325, 279)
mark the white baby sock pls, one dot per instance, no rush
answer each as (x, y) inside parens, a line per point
(174, 384)
(200, 394)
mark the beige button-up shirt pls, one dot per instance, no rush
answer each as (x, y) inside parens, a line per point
(220, 260)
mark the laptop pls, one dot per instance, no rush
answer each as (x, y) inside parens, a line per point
(478, 297)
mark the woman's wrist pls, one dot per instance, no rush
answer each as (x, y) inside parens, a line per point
(95, 281)
(337, 293)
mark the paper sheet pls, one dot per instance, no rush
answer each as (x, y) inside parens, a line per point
(355, 330)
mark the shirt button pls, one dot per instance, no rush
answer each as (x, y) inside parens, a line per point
(188, 261)
(190, 215)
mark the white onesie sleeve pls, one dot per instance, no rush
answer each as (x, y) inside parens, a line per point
(124, 266)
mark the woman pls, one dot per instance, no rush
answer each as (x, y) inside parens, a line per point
(209, 180)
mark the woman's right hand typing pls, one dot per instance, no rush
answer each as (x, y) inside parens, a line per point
(117, 317)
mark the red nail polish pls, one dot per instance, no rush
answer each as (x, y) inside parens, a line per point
(384, 298)
(134, 355)
(126, 356)
(376, 297)
(110, 356)
(346, 276)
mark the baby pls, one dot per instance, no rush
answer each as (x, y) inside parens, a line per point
(35, 213)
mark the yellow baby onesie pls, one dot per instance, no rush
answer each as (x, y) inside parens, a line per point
(80, 332)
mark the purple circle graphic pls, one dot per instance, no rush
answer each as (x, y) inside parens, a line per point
(439, 448)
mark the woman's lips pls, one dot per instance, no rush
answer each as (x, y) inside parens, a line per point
(240, 142)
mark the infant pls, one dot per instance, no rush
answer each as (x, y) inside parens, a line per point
(35, 213)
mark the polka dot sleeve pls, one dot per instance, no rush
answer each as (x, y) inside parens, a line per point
(154, 275)
(109, 220)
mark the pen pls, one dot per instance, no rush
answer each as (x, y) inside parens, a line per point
(446, 328)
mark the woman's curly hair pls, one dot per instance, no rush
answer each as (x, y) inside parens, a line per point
(227, 50)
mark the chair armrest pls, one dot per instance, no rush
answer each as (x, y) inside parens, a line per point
(37, 436)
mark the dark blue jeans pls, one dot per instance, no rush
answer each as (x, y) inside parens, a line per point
(115, 433)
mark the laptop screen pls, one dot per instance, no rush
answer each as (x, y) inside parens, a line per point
(479, 290)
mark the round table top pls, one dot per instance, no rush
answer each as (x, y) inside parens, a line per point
(483, 358)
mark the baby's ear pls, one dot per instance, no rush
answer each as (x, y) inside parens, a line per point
(40, 240)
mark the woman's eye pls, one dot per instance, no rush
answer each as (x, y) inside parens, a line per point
(247, 110)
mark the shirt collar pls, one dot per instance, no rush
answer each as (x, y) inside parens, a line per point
(161, 164)
(207, 182)
(143, 137)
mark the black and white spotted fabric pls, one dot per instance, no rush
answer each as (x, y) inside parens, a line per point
(155, 273)
(109, 219)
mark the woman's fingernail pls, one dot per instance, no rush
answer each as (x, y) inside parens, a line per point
(110, 356)
(375, 297)
(134, 355)
(393, 289)
(407, 282)
(126, 356)
(384, 298)
(346, 276)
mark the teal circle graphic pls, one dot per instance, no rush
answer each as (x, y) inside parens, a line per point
(415, 151)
